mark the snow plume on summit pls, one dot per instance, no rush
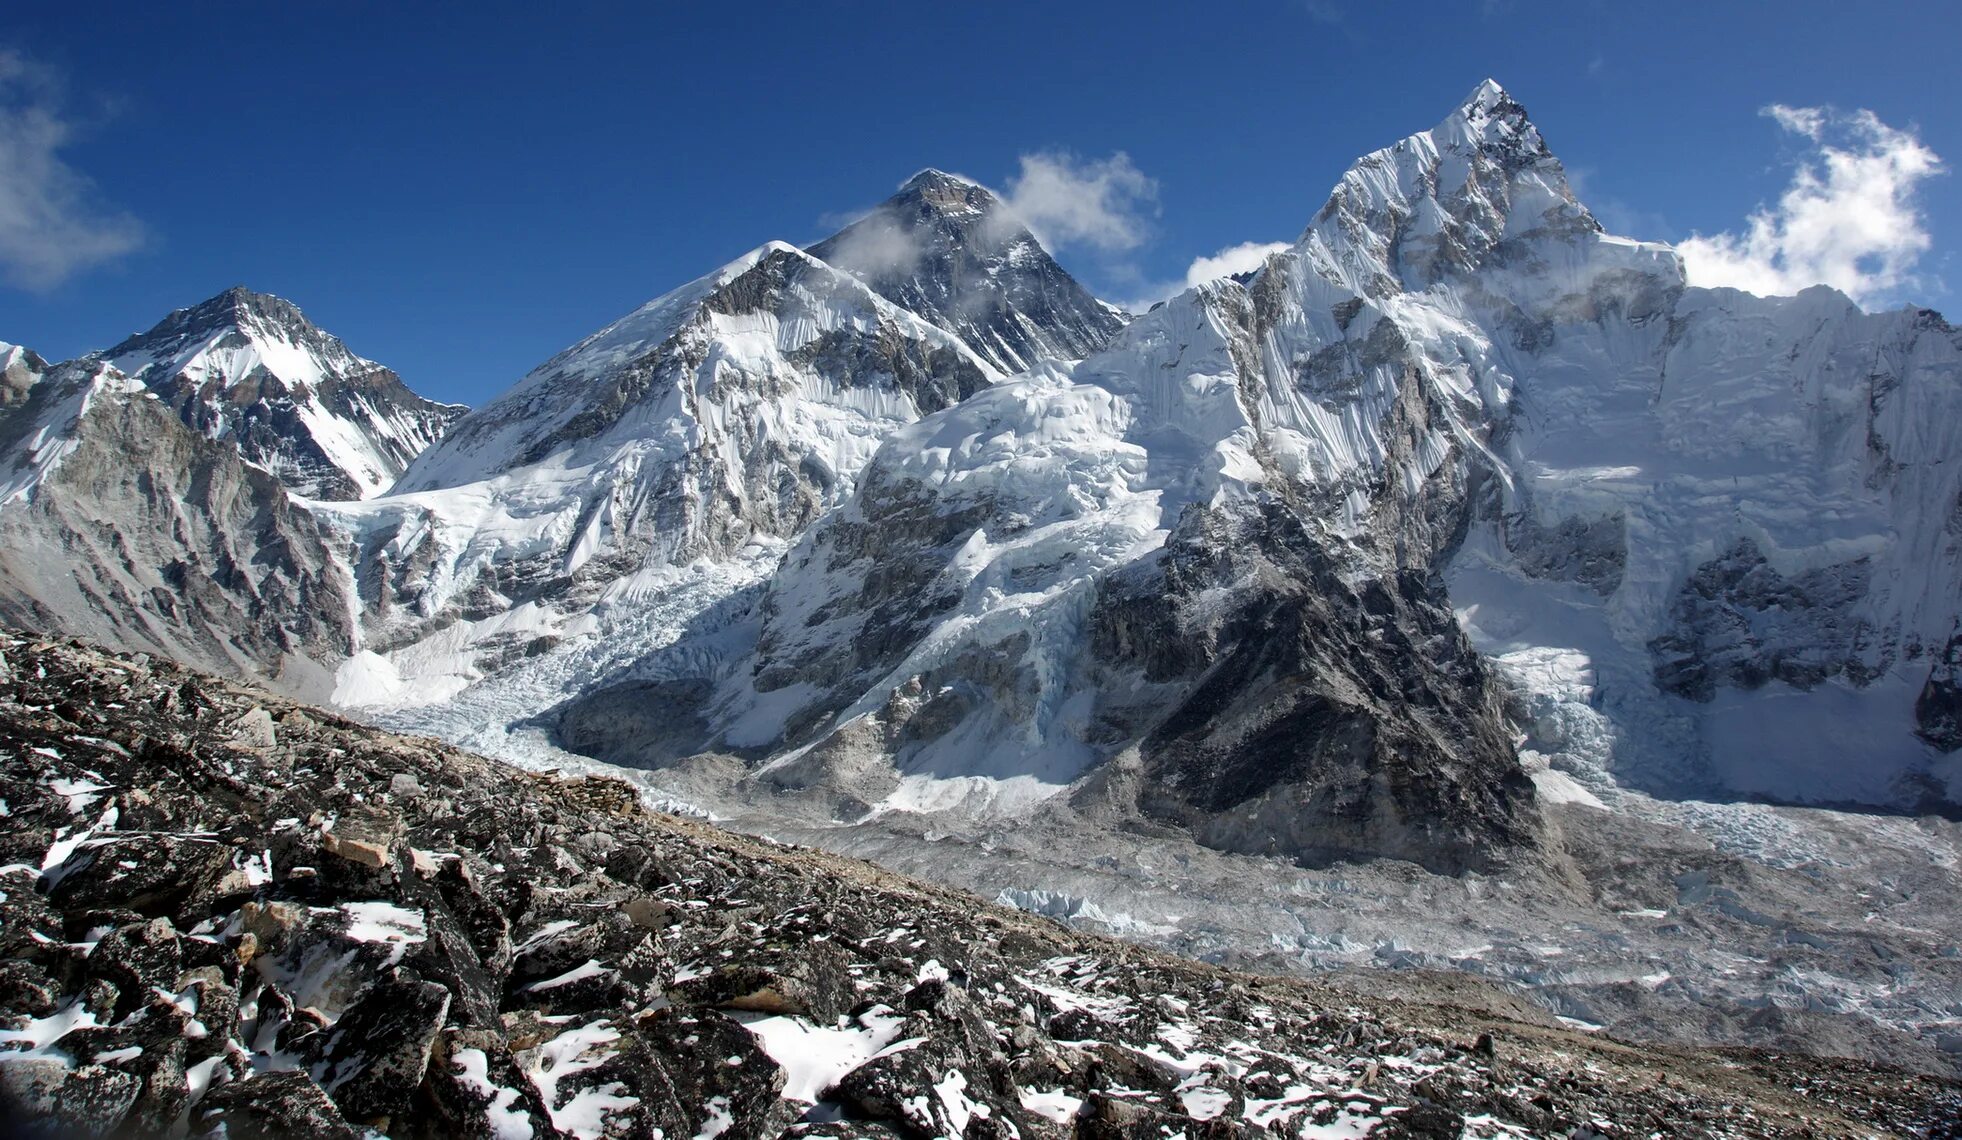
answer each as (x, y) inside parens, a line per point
(1849, 219)
(1232, 261)
(955, 253)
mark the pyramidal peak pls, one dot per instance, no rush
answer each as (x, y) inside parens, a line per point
(1439, 202)
(221, 320)
(948, 248)
(1492, 121)
(250, 368)
(933, 178)
(955, 202)
(1487, 99)
(236, 307)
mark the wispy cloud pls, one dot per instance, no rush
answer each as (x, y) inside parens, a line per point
(51, 224)
(1234, 259)
(1105, 204)
(1246, 256)
(1850, 217)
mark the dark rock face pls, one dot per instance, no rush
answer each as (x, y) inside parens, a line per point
(1938, 710)
(1591, 551)
(259, 411)
(904, 537)
(478, 952)
(1740, 623)
(20, 369)
(948, 250)
(1308, 716)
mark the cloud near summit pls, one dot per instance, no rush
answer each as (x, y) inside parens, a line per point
(1105, 204)
(1850, 217)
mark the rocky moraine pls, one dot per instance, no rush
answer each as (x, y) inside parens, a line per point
(224, 914)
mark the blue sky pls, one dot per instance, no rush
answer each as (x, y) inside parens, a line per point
(460, 190)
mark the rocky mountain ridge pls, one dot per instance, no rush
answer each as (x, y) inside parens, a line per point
(250, 369)
(1461, 393)
(118, 522)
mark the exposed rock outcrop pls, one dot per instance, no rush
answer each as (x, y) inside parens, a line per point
(948, 249)
(185, 951)
(120, 524)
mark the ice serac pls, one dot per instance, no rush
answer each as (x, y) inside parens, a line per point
(120, 524)
(251, 370)
(706, 428)
(949, 250)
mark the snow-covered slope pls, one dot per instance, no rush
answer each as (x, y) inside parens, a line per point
(1206, 576)
(948, 250)
(250, 369)
(120, 524)
(713, 423)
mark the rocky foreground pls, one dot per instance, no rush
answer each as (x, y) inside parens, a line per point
(222, 914)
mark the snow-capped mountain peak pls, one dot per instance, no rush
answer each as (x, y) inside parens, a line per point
(41, 409)
(947, 248)
(705, 428)
(252, 369)
(119, 523)
(763, 312)
(20, 368)
(1480, 187)
(1493, 120)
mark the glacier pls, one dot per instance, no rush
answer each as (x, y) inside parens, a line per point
(1459, 589)
(1701, 542)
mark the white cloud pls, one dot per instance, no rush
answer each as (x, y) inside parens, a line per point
(1248, 255)
(51, 226)
(1105, 203)
(1233, 259)
(1849, 219)
(1807, 121)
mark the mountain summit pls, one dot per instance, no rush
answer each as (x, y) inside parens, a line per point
(251, 369)
(1476, 187)
(948, 249)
